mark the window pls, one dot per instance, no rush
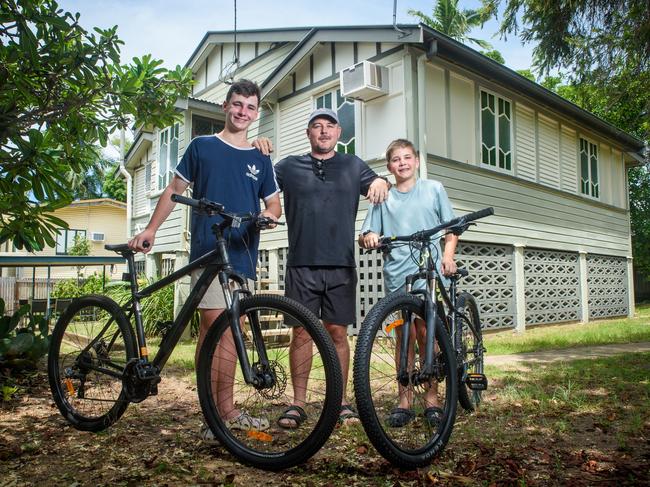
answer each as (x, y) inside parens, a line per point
(589, 169)
(345, 110)
(167, 155)
(205, 126)
(496, 128)
(65, 240)
(147, 177)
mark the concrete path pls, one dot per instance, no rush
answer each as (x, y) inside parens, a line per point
(550, 356)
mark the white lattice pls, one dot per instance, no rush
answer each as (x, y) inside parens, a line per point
(370, 287)
(607, 281)
(263, 264)
(552, 286)
(490, 281)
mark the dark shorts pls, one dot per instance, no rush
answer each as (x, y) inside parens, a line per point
(328, 292)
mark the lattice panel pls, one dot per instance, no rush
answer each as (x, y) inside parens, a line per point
(490, 281)
(263, 264)
(370, 287)
(552, 286)
(607, 281)
(282, 266)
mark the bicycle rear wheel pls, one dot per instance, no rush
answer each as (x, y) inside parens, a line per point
(410, 438)
(89, 348)
(471, 349)
(255, 437)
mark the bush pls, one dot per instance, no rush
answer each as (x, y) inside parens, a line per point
(69, 288)
(24, 338)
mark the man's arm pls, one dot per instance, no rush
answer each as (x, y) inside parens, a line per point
(264, 145)
(163, 208)
(273, 208)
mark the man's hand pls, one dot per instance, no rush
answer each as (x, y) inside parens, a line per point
(264, 145)
(378, 191)
(448, 266)
(271, 216)
(137, 243)
(369, 241)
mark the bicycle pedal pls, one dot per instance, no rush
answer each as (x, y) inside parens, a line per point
(153, 391)
(476, 382)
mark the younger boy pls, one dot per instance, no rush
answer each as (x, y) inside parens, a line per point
(413, 205)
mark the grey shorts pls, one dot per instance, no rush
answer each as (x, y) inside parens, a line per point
(214, 298)
(328, 292)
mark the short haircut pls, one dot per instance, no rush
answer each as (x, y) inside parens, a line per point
(245, 88)
(400, 144)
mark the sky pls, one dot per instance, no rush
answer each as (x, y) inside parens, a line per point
(171, 30)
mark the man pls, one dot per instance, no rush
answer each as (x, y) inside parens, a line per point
(227, 169)
(321, 198)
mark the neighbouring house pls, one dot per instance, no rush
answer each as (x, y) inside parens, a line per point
(558, 247)
(101, 221)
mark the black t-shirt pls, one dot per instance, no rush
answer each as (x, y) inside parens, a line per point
(321, 207)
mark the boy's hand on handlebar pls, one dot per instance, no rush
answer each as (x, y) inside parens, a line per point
(449, 267)
(143, 241)
(264, 145)
(369, 240)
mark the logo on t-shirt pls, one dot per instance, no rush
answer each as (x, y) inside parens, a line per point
(252, 171)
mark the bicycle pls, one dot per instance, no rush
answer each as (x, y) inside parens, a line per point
(97, 365)
(432, 366)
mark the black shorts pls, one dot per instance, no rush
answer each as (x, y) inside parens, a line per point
(328, 292)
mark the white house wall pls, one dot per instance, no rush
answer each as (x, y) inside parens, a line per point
(462, 121)
(525, 159)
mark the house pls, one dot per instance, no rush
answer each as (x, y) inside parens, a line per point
(101, 221)
(558, 247)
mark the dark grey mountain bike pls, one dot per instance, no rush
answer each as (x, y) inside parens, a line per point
(423, 347)
(97, 365)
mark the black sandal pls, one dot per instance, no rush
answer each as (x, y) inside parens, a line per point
(400, 417)
(297, 419)
(348, 414)
(434, 416)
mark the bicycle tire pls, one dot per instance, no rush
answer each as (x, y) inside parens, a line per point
(272, 448)
(90, 399)
(418, 442)
(471, 349)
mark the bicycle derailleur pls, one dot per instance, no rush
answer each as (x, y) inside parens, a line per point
(140, 380)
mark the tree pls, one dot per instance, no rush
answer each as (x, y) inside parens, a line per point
(62, 92)
(592, 38)
(495, 55)
(80, 247)
(114, 185)
(448, 19)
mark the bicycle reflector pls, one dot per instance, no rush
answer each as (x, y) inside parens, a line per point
(394, 324)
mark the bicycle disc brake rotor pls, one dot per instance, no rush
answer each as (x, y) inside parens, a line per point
(279, 379)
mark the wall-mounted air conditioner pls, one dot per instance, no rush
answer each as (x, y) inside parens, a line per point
(97, 236)
(364, 81)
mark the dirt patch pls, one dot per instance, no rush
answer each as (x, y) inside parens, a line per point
(156, 443)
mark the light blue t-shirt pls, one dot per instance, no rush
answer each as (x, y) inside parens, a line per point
(425, 206)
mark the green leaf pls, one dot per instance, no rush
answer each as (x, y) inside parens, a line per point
(20, 344)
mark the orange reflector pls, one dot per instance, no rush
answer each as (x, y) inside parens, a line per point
(259, 435)
(394, 324)
(69, 386)
(144, 352)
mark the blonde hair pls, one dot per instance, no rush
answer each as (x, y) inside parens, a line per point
(400, 144)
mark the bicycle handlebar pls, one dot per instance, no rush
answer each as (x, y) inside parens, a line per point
(424, 235)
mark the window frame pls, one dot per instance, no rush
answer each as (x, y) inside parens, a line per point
(591, 143)
(335, 93)
(64, 232)
(164, 178)
(497, 145)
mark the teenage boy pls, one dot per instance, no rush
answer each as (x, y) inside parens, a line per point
(321, 196)
(225, 168)
(414, 204)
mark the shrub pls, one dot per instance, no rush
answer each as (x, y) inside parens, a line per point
(24, 338)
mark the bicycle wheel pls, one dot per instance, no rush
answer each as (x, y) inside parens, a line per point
(471, 349)
(409, 437)
(90, 345)
(255, 436)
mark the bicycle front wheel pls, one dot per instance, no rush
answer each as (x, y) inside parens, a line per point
(300, 361)
(471, 349)
(89, 348)
(408, 424)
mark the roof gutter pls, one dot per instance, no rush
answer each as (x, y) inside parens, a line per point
(129, 184)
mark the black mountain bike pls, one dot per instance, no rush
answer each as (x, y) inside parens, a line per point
(97, 365)
(422, 347)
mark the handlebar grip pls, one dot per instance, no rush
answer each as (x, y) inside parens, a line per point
(177, 198)
(470, 217)
(146, 244)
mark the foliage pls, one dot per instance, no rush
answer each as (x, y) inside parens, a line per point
(585, 37)
(24, 337)
(81, 246)
(448, 19)
(114, 185)
(494, 55)
(62, 92)
(70, 288)
(526, 73)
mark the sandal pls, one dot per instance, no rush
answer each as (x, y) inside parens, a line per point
(400, 417)
(297, 419)
(434, 416)
(348, 415)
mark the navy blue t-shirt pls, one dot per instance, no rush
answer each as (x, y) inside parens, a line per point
(235, 177)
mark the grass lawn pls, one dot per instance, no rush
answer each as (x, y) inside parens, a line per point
(555, 337)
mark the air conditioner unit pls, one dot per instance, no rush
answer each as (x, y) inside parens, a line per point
(96, 237)
(364, 81)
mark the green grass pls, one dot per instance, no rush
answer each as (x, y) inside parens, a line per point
(557, 337)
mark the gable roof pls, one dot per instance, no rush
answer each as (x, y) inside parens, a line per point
(433, 43)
